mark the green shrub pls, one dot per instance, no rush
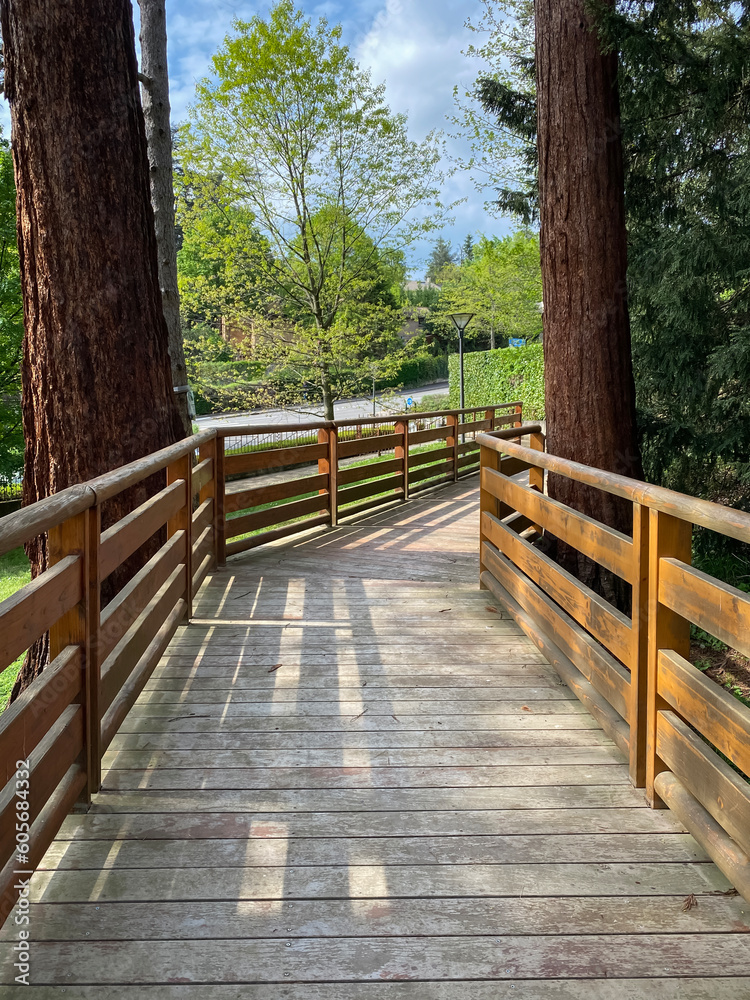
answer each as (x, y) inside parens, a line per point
(416, 371)
(435, 401)
(501, 376)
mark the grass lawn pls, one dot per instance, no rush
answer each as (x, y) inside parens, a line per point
(14, 573)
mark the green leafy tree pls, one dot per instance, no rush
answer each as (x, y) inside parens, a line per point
(11, 325)
(501, 285)
(306, 142)
(222, 262)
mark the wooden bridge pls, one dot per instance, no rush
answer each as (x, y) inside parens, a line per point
(336, 768)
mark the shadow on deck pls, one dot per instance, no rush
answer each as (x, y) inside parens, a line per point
(353, 776)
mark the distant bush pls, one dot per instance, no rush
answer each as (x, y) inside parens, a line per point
(416, 371)
(501, 376)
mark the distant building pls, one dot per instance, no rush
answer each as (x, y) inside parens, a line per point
(420, 286)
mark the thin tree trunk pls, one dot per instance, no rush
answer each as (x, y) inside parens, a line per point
(97, 388)
(589, 389)
(155, 96)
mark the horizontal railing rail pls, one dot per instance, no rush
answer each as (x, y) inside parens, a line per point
(312, 474)
(100, 657)
(687, 739)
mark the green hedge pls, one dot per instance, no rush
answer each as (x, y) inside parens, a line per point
(419, 370)
(501, 376)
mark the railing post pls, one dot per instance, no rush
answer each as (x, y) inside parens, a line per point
(209, 490)
(452, 441)
(80, 535)
(669, 537)
(488, 459)
(182, 468)
(518, 422)
(490, 415)
(639, 688)
(220, 524)
(536, 475)
(402, 453)
(329, 466)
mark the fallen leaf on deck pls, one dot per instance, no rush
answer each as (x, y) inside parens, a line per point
(445, 609)
(689, 902)
(271, 669)
(525, 708)
(488, 608)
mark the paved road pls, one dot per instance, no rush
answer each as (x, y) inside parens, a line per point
(347, 409)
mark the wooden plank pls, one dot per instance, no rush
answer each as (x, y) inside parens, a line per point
(718, 788)
(409, 824)
(367, 881)
(418, 488)
(29, 718)
(124, 609)
(243, 499)
(35, 607)
(276, 515)
(728, 857)
(202, 474)
(379, 486)
(591, 611)
(430, 471)
(43, 831)
(692, 988)
(358, 473)
(269, 852)
(429, 434)
(273, 458)
(433, 455)
(243, 544)
(425, 757)
(587, 694)
(714, 606)
(367, 445)
(118, 711)
(715, 713)
(605, 674)
(123, 538)
(265, 778)
(203, 546)
(125, 656)
(203, 517)
(611, 549)
(202, 572)
(49, 761)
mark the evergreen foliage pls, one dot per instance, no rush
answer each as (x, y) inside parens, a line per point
(685, 111)
(441, 257)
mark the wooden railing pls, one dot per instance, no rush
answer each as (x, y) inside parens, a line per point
(53, 736)
(687, 739)
(343, 468)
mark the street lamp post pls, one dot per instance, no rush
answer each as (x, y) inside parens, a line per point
(461, 321)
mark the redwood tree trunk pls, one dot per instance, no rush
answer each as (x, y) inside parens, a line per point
(155, 91)
(589, 389)
(97, 388)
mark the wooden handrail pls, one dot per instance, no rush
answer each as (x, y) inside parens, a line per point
(632, 672)
(714, 516)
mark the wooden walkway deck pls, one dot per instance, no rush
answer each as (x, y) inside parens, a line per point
(354, 777)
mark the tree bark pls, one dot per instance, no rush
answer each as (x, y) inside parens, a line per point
(589, 388)
(155, 97)
(97, 388)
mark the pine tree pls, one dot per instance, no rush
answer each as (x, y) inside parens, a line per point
(441, 257)
(467, 249)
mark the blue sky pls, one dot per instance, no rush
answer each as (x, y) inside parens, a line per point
(414, 46)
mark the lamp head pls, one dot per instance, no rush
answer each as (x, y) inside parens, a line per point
(461, 321)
